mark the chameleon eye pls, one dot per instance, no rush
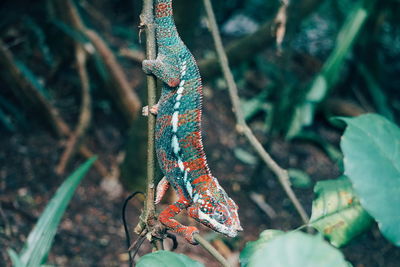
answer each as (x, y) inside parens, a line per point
(219, 216)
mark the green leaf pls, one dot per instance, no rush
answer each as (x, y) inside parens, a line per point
(296, 249)
(377, 94)
(14, 258)
(164, 258)
(41, 237)
(371, 148)
(299, 179)
(252, 246)
(6, 121)
(337, 213)
(254, 105)
(71, 32)
(245, 156)
(32, 78)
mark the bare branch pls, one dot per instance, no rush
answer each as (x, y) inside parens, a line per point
(207, 246)
(242, 126)
(27, 93)
(85, 114)
(147, 218)
(125, 98)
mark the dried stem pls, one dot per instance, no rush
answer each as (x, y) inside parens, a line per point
(28, 95)
(242, 126)
(120, 89)
(207, 246)
(280, 24)
(76, 137)
(147, 217)
(85, 113)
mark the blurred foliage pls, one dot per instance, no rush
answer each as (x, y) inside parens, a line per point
(299, 178)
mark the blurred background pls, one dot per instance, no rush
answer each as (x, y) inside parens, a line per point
(71, 86)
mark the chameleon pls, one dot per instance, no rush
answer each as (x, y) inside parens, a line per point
(178, 138)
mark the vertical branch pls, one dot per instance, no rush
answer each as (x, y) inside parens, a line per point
(242, 126)
(148, 215)
(85, 115)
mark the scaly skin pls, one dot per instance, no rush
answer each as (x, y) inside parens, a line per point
(178, 136)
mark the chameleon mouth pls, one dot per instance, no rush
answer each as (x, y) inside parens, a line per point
(219, 227)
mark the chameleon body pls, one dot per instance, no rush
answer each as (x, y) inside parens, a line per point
(178, 138)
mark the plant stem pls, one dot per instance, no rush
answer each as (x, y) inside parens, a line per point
(242, 126)
(207, 246)
(148, 215)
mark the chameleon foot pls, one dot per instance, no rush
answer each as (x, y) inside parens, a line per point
(188, 233)
(153, 110)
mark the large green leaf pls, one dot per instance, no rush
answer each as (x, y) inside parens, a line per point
(295, 249)
(164, 258)
(39, 241)
(252, 246)
(337, 212)
(371, 148)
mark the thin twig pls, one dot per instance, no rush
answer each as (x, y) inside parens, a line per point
(242, 126)
(207, 246)
(119, 87)
(260, 202)
(280, 22)
(85, 114)
(148, 215)
(27, 93)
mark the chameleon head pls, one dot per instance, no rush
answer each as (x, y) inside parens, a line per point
(217, 211)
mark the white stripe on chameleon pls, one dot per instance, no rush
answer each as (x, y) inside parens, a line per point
(175, 144)
(196, 198)
(189, 188)
(174, 140)
(174, 121)
(177, 105)
(180, 164)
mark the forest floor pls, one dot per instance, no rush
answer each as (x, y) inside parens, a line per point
(91, 232)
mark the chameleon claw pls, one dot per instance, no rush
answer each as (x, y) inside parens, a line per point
(153, 110)
(189, 232)
(145, 111)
